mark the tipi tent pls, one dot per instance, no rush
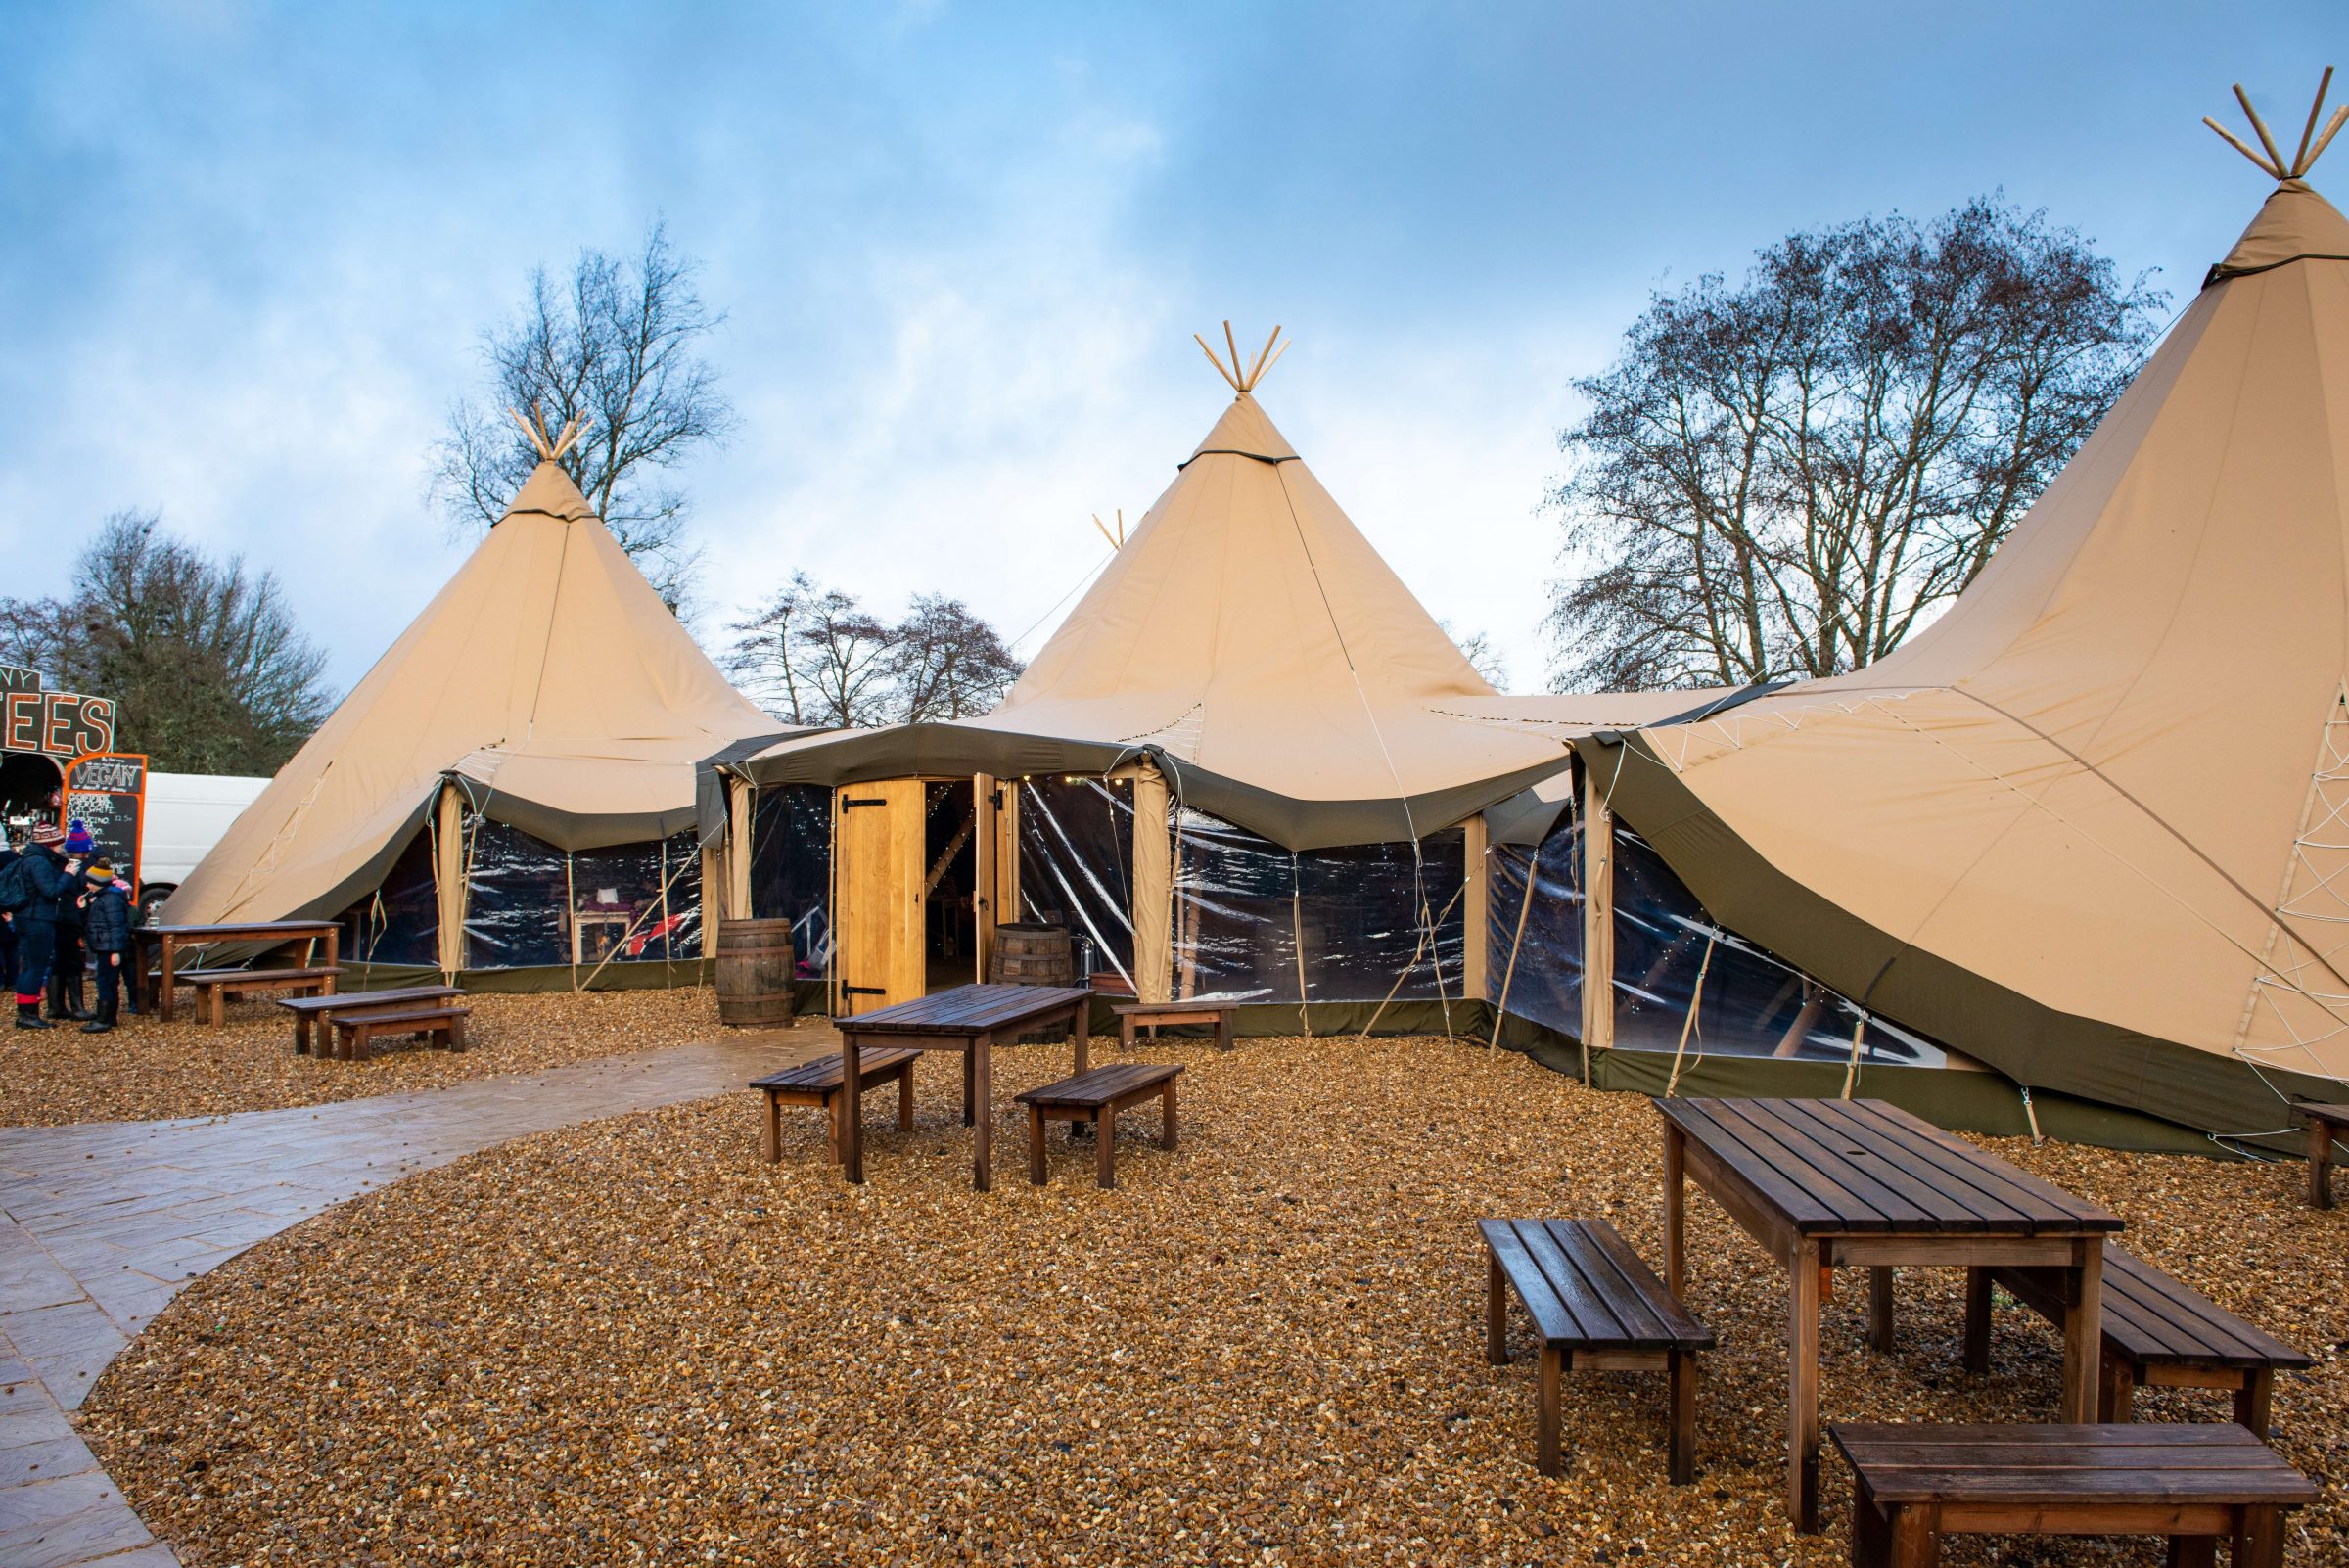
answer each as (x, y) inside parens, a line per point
(510, 787)
(2093, 826)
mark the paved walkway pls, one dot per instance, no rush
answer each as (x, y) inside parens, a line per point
(101, 1223)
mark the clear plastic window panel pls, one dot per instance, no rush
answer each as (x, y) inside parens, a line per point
(1536, 947)
(1371, 921)
(1077, 863)
(532, 905)
(1752, 1003)
(791, 870)
(399, 923)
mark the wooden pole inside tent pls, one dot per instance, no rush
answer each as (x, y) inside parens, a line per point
(1153, 932)
(1008, 906)
(1476, 952)
(448, 879)
(985, 840)
(1599, 920)
(742, 813)
(717, 874)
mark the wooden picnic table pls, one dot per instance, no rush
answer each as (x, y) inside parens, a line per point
(966, 1019)
(311, 1010)
(1823, 1183)
(170, 938)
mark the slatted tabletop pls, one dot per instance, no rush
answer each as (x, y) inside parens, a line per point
(2146, 1461)
(973, 1009)
(2337, 1113)
(1102, 1086)
(1854, 1167)
(348, 999)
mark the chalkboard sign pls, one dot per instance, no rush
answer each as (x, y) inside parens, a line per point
(106, 792)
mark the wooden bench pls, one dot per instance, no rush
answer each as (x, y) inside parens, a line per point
(355, 1031)
(308, 1010)
(1153, 1015)
(1095, 1098)
(2326, 1123)
(2158, 1332)
(817, 1082)
(1915, 1483)
(214, 985)
(1595, 1307)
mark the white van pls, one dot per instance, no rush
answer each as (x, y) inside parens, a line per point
(186, 813)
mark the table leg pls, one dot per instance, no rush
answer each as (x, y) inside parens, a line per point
(1547, 1424)
(163, 1007)
(1166, 1116)
(2116, 1390)
(771, 1129)
(1977, 1318)
(1675, 1211)
(2193, 1551)
(905, 1098)
(333, 956)
(1802, 1387)
(1125, 1031)
(1224, 1030)
(970, 1097)
(2084, 1331)
(852, 1131)
(1683, 1448)
(1915, 1536)
(1879, 1307)
(1081, 1028)
(1105, 1147)
(302, 1034)
(2259, 1539)
(1035, 1145)
(983, 1077)
(1871, 1532)
(1496, 1309)
(2254, 1400)
(2320, 1163)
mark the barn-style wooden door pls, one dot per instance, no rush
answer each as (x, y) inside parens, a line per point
(879, 838)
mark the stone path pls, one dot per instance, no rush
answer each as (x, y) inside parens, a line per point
(101, 1224)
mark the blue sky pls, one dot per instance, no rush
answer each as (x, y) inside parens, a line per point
(246, 252)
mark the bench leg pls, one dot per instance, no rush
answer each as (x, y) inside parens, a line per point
(2116, 1389)
(456, 1034)
(1879, 1307)
(1105, 1149)
(1978, 1319)
(1125, 1032)
(1224, 1032)
(1682, 1373)
(1916, 1538)
(362, 1044)
(1545, 1419)
(220, 1005)
(771, 1129)
(2252, 1400)
(2193, 1551)
(1496, 1312)
(905, 1098)
(1035, 1145)
(2319, 1162)
(2259, 1538)
(302, 1034)
(1871, 1532)
(1166, 1116)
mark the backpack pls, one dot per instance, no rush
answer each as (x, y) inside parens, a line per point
(16, 887)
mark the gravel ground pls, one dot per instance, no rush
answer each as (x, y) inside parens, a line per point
(148, 1070)
(632, 1342)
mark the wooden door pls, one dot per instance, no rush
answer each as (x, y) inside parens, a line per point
(878, 834)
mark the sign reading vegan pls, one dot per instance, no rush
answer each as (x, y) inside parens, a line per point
(62, 724)
(107, 793)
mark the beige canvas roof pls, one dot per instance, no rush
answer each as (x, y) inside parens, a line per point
(547, 675)
(2092, 826)
(1249, 637)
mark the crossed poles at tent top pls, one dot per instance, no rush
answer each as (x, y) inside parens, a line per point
(1242, 382)
(2305, 157)
(533, 430)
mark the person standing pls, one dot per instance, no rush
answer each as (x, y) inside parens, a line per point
(105, 924)
(67, 965)
(39, 879)
(8, 917)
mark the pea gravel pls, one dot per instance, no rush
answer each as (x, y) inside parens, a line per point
(147, 1070)
(632, 1342)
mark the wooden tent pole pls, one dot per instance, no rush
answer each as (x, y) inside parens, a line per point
(1598, 921)
(984, 845)
(742, 813)
(1475, 958)
(1153, 934)
(448, 879)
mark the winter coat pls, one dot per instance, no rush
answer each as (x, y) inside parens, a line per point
(109, 919)
(68, 902)
(45, 873)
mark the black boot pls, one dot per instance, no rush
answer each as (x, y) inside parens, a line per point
(103, 1021)
(28, 1015)
(77, 1007)
(56, 992)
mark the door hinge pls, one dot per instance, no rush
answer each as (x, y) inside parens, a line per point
(865, 990)
(870, 800)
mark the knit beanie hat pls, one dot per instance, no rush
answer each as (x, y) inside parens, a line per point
(48, 833)
(100, 872)
(77, 837)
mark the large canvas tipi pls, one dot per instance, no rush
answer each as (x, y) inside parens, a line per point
(2093, 826)
(516, 771)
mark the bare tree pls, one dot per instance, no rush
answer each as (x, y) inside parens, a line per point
(815, 656)
(1785, 477)
(616, 345)
(206, 666)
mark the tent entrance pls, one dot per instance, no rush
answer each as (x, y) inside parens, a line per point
(879, 830)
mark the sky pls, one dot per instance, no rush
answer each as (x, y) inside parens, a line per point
(248, 252)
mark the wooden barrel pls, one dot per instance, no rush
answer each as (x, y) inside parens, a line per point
(755, 973)
(1032, 954)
